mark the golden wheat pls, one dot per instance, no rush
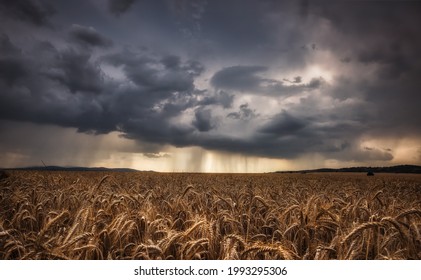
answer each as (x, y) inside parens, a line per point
(145, 215)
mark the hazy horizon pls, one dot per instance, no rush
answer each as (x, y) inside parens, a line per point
(210, 86)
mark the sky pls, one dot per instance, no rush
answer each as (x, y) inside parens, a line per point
(210, 86)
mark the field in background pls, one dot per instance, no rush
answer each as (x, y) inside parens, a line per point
(119, 215)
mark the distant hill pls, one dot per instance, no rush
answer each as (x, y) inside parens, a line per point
(414, 169)
(72, 168)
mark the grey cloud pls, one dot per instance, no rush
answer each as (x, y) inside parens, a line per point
(241, 78)
(219, 97)
(119, 7)
(156, 155)
(77, 72)
(393, 63)
(56, 77)
(245, 113)
(88, 36)
(188, 16)
(144, 110)
(234, 115)
(42, 93)
(171, 61)
(164, 75)
(72, 68)
(139, 111)
(246, 79)
(11, 70)
(7, 48)
(32, 11)
(346, 60)
(296, 80)
(384, 104)
(373, 153)
(284, 124)
(12, 67)
(387, 32)
(203, 120)
(251, 30)
(193, 67)
(315, 83)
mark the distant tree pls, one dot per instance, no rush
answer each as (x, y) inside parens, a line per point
(370, 173)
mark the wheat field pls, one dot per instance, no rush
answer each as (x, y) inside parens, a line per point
(146, 215)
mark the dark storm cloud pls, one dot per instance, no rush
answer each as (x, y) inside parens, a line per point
(31, 11)
(240, 30)
(53, 87)
(217, 97)
(160, 75)
(68, 88)
(296, 80)
(77, 72)
(12, 66)
(377, 154)
(242, 78)
(149, 82)
(246, 79)
(88, 36)
(284, 124)
(245, 113)
(386, 29)
(193, 67)
(203, 120)
(118, 7)
(390, 44)
(11, 70)
(7, 48)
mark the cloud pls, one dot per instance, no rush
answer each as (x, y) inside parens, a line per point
(203, 120)
(88, 36)
(54, 87)
(219, 97)
(68, 88)
(7, 48)
(242, 78)
(12, 68)
(77, 72)
(188, 15)
(284, 124)
(370, 153)
(296, 80)
(31, 11)
(245, 113)
(158, 102)
(157, 155)
(241, 83)
(150, 73)
(119, 7)
(246, 79)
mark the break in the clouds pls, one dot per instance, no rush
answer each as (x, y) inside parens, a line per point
(336, 81)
